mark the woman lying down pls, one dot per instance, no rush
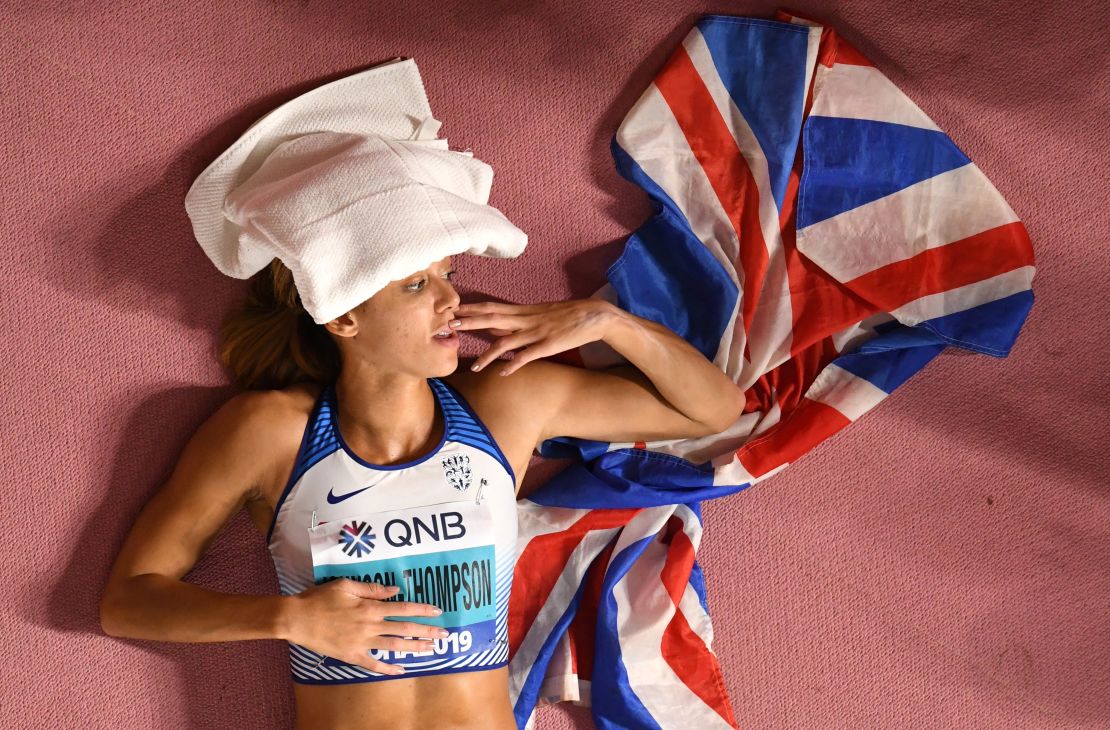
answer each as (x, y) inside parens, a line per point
(383, 476)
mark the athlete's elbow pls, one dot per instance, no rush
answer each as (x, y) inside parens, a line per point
(731, 415)
(723, 422)
(110, 622)
(113, 617)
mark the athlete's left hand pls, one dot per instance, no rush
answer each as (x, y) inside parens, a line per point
(541, 329)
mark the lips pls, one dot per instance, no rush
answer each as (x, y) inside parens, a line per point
(452, 335)
(451, 340)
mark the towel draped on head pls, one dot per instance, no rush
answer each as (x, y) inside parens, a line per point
(348, 185)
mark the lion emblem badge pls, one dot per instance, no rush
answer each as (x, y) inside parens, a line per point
(456, 469)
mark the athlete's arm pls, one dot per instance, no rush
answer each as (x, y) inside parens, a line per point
(219, 470)
(546, 399)
(618, 403)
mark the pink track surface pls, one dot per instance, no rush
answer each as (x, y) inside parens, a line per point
(961, 584)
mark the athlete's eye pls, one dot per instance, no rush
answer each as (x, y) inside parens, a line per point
(413, 286)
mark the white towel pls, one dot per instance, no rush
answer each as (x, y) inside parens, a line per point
(348, 185)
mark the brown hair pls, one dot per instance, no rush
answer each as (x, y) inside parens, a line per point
(271, 342)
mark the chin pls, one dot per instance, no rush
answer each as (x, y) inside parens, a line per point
(448, 369)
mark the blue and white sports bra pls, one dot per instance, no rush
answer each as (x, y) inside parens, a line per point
(442, 527)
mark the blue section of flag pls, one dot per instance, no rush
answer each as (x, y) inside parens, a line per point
(990, 328)
(615, 703)
(762, 64)
(850, 162)
(666, 275)
(630, 478)
(892, 356)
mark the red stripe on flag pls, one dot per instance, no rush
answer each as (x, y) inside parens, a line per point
(682, 648)
(846, 53)
(810, 423)
(583, 626)
(786, 385)
(712, 143)
(542, 563)
(943, 268)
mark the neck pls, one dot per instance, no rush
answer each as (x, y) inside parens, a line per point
(387, 419)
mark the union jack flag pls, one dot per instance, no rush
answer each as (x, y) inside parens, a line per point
(817, 237)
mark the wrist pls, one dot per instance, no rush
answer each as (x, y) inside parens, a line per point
(620, 329)
(281, 617)
(613, 320)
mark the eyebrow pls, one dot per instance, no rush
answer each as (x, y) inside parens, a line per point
(413, 277)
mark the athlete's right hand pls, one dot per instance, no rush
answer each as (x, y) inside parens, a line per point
(344, 618)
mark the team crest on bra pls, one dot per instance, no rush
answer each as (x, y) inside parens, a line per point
(456, 469)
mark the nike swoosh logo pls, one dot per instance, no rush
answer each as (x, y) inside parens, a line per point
(332, 499)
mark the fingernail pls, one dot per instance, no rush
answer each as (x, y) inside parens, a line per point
(455, 323)
(399, 670)
(437, 611)
(442, 632)
(474, 367)
(504, 372)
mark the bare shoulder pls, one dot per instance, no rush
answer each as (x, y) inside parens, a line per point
(280, 417)
(515, 407)
(294, 401)
(546, 399)
(271, 412)
(514, 420)
(226, 464)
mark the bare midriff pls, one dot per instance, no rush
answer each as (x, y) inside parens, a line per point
(477, 700)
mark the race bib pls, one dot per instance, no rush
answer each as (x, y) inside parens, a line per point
(440, 554)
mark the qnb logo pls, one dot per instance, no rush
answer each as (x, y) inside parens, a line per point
(416, 531)
(357, 538)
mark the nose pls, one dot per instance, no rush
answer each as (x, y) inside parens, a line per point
(449, 296)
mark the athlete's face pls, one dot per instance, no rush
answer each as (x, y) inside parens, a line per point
(395, 329)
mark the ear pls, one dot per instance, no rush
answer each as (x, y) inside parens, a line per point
(345, 325)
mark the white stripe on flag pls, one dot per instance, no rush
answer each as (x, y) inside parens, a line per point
(930, 213)
(965, 297)
(644, 608)
(771, 331)
(842, 390)
(555, 605)
(848, 91)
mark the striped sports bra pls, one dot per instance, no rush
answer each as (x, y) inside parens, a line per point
(443, 528)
